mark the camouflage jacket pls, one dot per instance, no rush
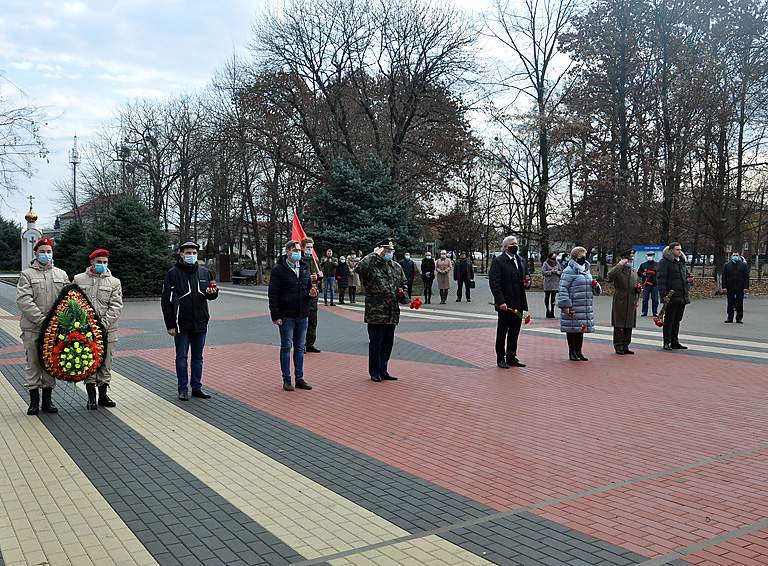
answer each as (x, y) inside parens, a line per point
(381, 280)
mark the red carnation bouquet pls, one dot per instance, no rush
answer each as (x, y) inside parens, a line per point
(527, 281)
(639, 288)
(416, 303)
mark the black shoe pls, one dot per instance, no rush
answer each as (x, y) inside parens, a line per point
(199, 394)
(301, 384)
(92, 405)
(376, 378)
(727, 321)
(629, 352)
(667, 346)
(388, 377)
(619, 351)
(679, 346)
(104, 399)
(516, 363)
(34, 402)
(645, 314)
(48, 406)
(287, 386)
(312, 350)
(582, 357)
(502, 364)
(739, 322)
(333, 304)
(469, 300)
(458, 300)
(573, 357)
(183, 396)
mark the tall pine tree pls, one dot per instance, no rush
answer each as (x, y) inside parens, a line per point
(358, 208)
(10, 245)
(72, 249)
(139, 253)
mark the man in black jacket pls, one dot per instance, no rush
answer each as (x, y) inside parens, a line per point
(463, 274)
(673, 276)
(290, 292)
(186, 291)
(735, 282)
(508, 279)
(409, 268)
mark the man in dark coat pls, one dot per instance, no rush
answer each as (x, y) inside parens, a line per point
(308, 248)
(385, 290)
(428, 276)
(673, 276)
(735, 282)
(508, 278)
(186, 291)
(463, 274)
(625, 298)
(647, 274)
(290, 292)
(409, 269)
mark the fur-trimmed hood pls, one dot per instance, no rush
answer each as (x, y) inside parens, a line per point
(666, 254)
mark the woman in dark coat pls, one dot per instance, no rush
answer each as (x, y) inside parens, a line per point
(575, 298)
(428, 276)
(625, 300)
(342, 278)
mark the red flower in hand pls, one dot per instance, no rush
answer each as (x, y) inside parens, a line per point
(416, 303)
(595, 283)
(583, 327)
(527, 319)
(527, 280)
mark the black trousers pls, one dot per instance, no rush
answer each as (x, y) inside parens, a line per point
(465, 284)
(312, 325)
(622, 337)
(735, 303)
(575, 342)
(428, 288)
(409, 287)
(353, 294)
(381, 339)
(507, 333)
(549, 301)
(672, 317)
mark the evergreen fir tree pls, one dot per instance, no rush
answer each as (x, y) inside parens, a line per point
(72, 249)
(10, 245)
(138, 247)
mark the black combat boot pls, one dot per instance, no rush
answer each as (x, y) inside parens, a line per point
(104, 399)
(90, 388)
(48, 406)
(34, 402)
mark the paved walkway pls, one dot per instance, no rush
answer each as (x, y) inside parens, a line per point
(658, 458)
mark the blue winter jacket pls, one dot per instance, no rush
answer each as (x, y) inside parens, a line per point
(576, 291)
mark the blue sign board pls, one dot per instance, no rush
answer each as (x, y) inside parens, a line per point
(642, 251)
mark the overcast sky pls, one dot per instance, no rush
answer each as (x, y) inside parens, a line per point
(83, 59)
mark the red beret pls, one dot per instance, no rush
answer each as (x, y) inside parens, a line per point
(99, 253)
(43, 242)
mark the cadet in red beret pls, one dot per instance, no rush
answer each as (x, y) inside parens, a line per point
(106, 295)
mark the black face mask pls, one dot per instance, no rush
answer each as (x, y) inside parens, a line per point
(512, 249)
(581, 260)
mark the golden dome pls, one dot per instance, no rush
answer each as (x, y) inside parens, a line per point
(31, 215)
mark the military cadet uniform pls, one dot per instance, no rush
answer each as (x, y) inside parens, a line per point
(385, 287)
(312, 323)
(38, 288)
(106, 295)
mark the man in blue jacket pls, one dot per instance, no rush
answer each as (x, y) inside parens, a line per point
(290, 292)
(186, 291)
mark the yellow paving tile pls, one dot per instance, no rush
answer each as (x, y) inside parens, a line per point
(427, 550)
(31, 460)
(275, 496)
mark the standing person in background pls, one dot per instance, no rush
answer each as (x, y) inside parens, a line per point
(342, 276)
(508, 278)
(673, 275)
(409, 268)
(316, 276)
(735, 282)
(564, 260)
(328, 266)
(575, 298)
(443, 268)
(463, 273)
(186, 291)
(647, 274)
(354, 278)
(625, 298)
(551, 272)
(428, 276)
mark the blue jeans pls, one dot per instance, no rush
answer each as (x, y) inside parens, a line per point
(653, 293)
(185, 340)
(328, 285)
(293, 334)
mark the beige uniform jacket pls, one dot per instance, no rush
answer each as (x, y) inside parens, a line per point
(106, 295)
(38, 288)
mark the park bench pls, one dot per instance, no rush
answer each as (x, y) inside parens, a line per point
(244, 276)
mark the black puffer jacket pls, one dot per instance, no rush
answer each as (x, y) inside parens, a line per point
(672, 275)
(736, 275)
(184, 300)
(288, 294)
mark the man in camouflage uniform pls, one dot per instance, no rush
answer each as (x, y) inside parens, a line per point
(385, 287)
(38, 288)
(106, 295)
(307, 247)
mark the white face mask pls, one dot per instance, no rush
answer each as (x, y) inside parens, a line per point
(407, 256)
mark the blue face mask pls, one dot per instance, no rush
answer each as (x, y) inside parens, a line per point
(100, 268)
(295, 256)
(308, 253)
(190, 259)
(735, 258)
(44, 259)
(388, 256)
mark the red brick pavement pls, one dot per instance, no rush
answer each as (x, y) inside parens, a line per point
(750, 550)
(512, 437)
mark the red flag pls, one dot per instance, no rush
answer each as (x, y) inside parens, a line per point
(298, 233)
